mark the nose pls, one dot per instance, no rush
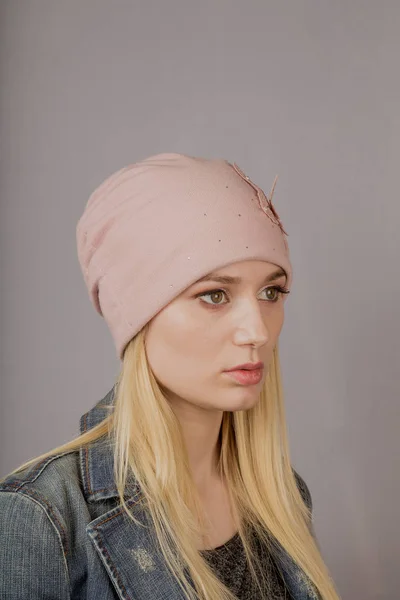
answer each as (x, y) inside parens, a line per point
(252, 329)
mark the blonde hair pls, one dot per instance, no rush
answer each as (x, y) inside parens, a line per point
(254, 460)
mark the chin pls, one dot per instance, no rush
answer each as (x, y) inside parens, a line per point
(244, 401)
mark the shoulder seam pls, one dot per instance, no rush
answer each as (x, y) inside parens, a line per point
(37, 470)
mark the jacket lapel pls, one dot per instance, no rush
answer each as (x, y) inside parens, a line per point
(298, 584)
(129, 553)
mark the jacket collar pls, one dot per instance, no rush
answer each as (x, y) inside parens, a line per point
(97, 460)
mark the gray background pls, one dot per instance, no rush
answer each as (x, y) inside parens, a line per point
(308, 90)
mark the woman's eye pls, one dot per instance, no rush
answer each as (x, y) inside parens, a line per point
(272, 293)
(215, 295)
(275, 292)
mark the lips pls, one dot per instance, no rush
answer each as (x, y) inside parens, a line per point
(247, 367)
(246, 376)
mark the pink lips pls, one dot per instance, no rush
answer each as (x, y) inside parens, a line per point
(248, 373)
(247, 367)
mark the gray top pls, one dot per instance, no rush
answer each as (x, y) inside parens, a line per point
(229, 563)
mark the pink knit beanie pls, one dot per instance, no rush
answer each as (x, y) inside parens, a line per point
(155, 227)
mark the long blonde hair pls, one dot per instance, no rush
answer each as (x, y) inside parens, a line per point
(254, 461)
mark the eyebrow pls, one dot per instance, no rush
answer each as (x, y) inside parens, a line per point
(227, 279)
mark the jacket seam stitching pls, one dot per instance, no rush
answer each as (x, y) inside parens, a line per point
(47, 508)
(37, 471)
(49, 513)
(111, 566)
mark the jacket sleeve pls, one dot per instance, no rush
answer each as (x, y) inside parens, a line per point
(32, 561)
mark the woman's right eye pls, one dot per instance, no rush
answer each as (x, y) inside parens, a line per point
(215, 296)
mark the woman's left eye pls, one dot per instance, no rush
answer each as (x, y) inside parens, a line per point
(275, 292)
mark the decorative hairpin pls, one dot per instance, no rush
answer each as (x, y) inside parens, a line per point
(264, 202)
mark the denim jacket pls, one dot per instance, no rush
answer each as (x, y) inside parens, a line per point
(64, 536)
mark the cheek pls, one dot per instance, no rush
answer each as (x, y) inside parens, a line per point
(177, 350)
(278, 329)
(276, 323)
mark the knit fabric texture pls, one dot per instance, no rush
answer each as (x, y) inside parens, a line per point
(230, 565)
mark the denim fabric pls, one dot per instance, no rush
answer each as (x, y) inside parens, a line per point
(63, 535)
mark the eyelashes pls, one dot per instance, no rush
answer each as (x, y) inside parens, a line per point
(279, 289)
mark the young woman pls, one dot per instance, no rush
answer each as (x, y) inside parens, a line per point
(180, 485)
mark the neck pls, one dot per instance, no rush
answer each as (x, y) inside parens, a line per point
(201, 428)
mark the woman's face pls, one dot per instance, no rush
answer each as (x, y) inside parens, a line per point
(213, 326)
